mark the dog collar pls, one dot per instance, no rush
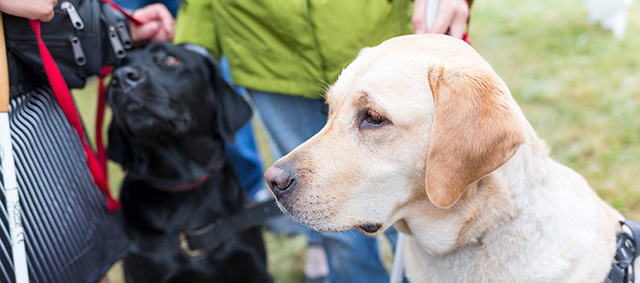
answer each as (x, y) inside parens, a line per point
(628, 249)
(189, 186)
(184, 187)
(199, 241)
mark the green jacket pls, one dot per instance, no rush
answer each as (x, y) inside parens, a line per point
(293, 47)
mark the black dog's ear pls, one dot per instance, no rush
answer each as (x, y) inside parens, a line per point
(232, 111)
(119, 149)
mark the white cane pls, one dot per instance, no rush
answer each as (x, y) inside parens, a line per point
(397, 269)
(9, 172)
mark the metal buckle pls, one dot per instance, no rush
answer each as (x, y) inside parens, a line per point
(186, 249)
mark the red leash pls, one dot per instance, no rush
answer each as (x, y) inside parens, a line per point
(102, 153)
(65, 101)
(104, 72)
(97, 165)
(124, 12)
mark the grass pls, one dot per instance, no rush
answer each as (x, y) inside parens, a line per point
(577, 84)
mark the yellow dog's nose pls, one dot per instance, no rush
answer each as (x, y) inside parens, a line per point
(279, 179)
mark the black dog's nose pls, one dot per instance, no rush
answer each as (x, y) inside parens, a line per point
(279, 179)
(126, 77)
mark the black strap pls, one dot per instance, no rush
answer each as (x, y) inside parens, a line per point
(207, 238)
(628, 249)
(199, 241)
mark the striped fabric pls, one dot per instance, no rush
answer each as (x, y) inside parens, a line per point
(70, 235)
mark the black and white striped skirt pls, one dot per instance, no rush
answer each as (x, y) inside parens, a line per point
(70, 234)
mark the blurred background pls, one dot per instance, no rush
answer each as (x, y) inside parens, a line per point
(577, 83)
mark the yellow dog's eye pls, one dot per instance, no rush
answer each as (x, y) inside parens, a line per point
(372, 119)
(170, 60)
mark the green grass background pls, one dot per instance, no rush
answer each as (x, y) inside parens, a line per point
(577, 84)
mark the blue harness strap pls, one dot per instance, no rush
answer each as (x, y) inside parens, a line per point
(626, 252)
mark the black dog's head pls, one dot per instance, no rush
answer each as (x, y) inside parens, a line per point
(165, 94)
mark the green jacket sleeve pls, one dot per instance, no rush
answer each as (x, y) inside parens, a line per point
(194, 24)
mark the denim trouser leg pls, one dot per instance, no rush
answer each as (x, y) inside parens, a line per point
(243, 153)
(353, 258)
(290, 120)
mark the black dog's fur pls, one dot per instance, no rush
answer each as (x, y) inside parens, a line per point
(172, 111)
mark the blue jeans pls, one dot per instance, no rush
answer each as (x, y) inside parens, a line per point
(290, 120)
(243, 153)
(245, 159)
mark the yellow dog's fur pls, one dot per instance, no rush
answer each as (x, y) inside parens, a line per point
(455, 164)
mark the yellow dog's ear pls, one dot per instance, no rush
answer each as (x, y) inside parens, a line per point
(474, 131)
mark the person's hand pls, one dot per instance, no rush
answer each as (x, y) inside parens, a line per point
(452, 16)
(31, 9)
(158, 24)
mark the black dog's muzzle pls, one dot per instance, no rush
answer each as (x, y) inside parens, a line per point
(126, 78)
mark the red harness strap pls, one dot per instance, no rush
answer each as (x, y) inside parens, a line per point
(65, 101)
(184, 187)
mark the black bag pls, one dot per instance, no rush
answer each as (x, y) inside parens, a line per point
(83, 36)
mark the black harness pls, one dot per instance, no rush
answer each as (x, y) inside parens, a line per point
(199, 241)
(626, 252)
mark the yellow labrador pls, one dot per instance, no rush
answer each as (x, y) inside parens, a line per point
(424, 134)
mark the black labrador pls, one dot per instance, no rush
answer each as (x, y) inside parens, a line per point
(172, 112)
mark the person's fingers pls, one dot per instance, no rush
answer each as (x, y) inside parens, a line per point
(145, 14)
(418, 19)
(445, 15)
(169, 36)
(47, 17)
(161, 35)
(49, 13)
(145, 31)
(159, 14)
(170, 32)
(459, 22)
(38, 10)
(457, 28)
(168, 28)
(152, 12)
(166, 18)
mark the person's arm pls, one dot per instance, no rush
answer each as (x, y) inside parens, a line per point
(31, 9)
(452, 16)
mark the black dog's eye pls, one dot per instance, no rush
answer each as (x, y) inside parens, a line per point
(170, 60)
(372, 119)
